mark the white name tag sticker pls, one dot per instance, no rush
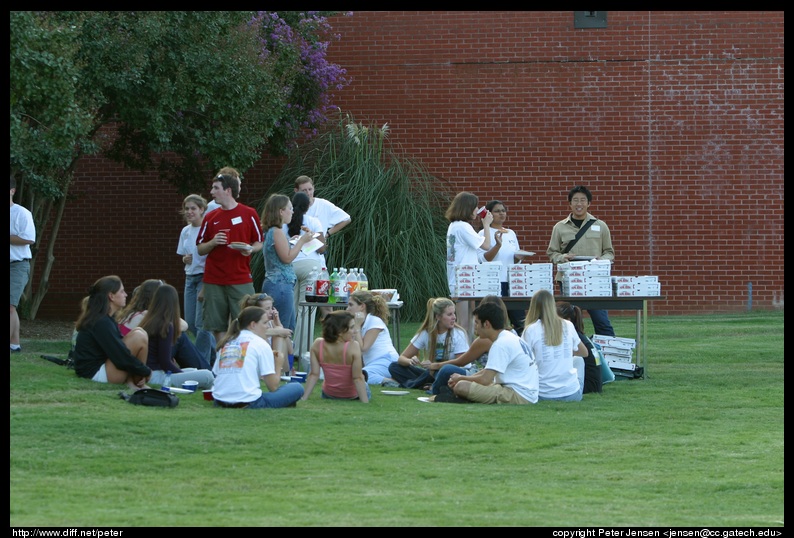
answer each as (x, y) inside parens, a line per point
(237, 220)
(594, 227)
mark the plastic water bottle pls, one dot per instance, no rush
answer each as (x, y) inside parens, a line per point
(340, 286)
(167, 381)
(323, 283)
(332, 287)
(363, 281)
(311, 286)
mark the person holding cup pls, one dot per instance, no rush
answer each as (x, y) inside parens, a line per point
(464, 244)
(228, 237)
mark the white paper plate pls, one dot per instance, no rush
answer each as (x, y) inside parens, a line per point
(286, 378)
(395, 392)
(582, 258)
(244, 247)
(425, 399)
(524, 253)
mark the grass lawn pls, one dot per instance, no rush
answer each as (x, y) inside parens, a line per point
(699, 442)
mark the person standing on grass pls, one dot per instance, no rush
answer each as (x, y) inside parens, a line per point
(339, 356)
(332, 218)
(279, 253)
(557, 349)
(304, 263)
(23, 234)
(504, 245)
(596, 242)
(440, 337)
(372, 333)
(244, 361)
(100, 352)
(464, 244)
(510, 375)
(228, 236)
(193, 209)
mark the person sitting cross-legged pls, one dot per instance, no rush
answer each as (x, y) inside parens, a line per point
(510, 376)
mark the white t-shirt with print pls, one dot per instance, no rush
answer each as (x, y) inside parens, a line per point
(463, 245)
(458, 346)
(240, 365)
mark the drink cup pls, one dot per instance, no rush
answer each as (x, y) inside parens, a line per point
(227, 232)
(208, 395)
(190, 385)
(482, 212)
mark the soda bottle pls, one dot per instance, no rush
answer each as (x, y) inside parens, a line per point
(332, 287)
(323, 283)
(311, 286)
(363, 281)
(352, 281)
(340, 286)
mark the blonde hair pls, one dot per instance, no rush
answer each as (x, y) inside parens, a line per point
(374, 304)
(197, 199)
(436, 307)
(543, 307)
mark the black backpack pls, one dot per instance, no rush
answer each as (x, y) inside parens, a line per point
(152, 397)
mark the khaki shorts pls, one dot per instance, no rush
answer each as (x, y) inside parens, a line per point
(498, 394)
(222, 304)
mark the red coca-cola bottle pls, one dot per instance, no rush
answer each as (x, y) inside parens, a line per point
(323, 286)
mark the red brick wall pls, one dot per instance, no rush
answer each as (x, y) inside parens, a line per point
(673, 119)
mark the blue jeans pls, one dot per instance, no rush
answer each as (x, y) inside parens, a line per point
(443, 375)
(187, 355)
(601, 324)
(284, 396)
(284, 300)
(194, 315)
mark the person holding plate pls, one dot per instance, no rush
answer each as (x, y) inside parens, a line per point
(504, 249)
(279, 253)
(227, 271)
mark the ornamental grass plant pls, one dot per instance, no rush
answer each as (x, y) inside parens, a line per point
(697, 443)
(398, 230)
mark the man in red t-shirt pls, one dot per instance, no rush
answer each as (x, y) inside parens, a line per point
(228, 236)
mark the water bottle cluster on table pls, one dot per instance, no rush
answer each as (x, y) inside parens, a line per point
(335, 287)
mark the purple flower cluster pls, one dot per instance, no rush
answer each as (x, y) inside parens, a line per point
(297, 52)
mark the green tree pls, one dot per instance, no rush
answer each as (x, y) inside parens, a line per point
(398, 229)
(180, 92)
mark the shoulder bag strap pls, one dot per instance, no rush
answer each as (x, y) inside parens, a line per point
(579, 235)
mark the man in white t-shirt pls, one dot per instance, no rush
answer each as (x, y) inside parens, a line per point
(332, 218)
(510, 375)
(23, 234)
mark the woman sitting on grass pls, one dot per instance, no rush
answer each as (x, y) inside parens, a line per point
(244, 360)
(279, 337)
(185, 352)
(440, 337)
(372, 334)
(557, 349)
(340, 358)
(476, 355)
(161, 323)
(100, 352)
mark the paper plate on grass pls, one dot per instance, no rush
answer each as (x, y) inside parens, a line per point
(425, 399)
(176, 390)
(395, 392)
